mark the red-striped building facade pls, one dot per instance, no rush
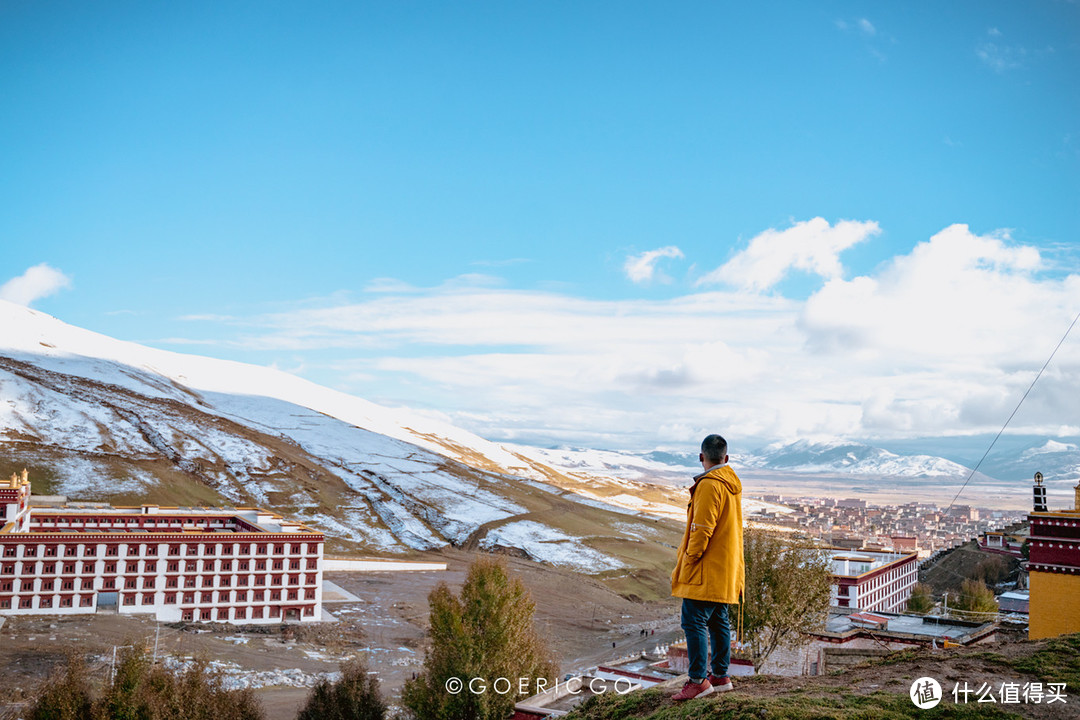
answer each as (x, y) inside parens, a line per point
(241, 565)
(873, 580)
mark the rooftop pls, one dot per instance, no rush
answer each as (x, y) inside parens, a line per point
(151, 519)
(926, 627)
(16, 481)
(852, 563)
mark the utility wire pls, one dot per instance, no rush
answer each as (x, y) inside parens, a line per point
(1022, 399)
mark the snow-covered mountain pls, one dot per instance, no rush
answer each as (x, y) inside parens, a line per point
(836, 457)
(844, 457)
(97, 418)
(1058, 461)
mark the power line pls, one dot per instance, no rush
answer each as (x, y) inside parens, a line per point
(1039, 375)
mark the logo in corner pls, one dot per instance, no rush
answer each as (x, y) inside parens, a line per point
(925, 693)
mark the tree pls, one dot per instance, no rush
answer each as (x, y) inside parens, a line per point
(993, 570)
(354, 697)
(486, 633)
(66, 696)
(975, 602)
(142, 691)
(921, 600)
(788, 586)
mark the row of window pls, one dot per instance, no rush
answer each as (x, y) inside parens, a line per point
(89, 567)
(44, 603)
(908, 568)
(883, 598)
(152, 549)
(136, 522)
(51, 602)
(190, 581)
(243, 613)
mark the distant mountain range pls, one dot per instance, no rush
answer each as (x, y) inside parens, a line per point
(850, 457)
(1006, 473)
(832, 457)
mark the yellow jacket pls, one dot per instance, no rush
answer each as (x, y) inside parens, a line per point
(710, 564)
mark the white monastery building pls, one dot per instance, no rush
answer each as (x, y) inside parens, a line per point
(238, 565)
(872, 580)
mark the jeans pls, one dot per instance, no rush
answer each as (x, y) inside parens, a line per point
(699, 617)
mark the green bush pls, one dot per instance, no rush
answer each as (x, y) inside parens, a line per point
(975, 602)
(140, 690)
(788, 585)
(66, 695)
(921, 600)
(354, 697)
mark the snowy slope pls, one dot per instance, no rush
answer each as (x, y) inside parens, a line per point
(1058, 461)
(605, 466)
(108, 418)
(609, 464)
(98, 418)
(53, 345)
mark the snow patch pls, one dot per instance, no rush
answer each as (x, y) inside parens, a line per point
(546, 544)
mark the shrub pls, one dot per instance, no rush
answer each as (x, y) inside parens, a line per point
(140, 690)
(921, 600)
(975, 601)
(354, 697)
(66, 695)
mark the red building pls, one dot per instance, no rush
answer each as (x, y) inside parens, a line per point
(238, 565)
(873, 580)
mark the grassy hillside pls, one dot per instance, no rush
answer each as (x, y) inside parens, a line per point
(967, 562)
(878, 690)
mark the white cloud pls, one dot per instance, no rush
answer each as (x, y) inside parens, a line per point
(867, 27)
(941, 340)
(642, 268)
(1001, 58)
(954, 332)
(36, 283)
(811, 246)
(921, 304)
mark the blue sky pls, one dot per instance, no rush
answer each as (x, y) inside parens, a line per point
(608, 223)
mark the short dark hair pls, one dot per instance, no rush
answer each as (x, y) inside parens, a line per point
(714, 448)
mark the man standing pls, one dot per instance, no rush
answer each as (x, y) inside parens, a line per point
(710, 573)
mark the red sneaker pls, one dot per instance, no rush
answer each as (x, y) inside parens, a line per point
(720, 684)
(691, 689)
